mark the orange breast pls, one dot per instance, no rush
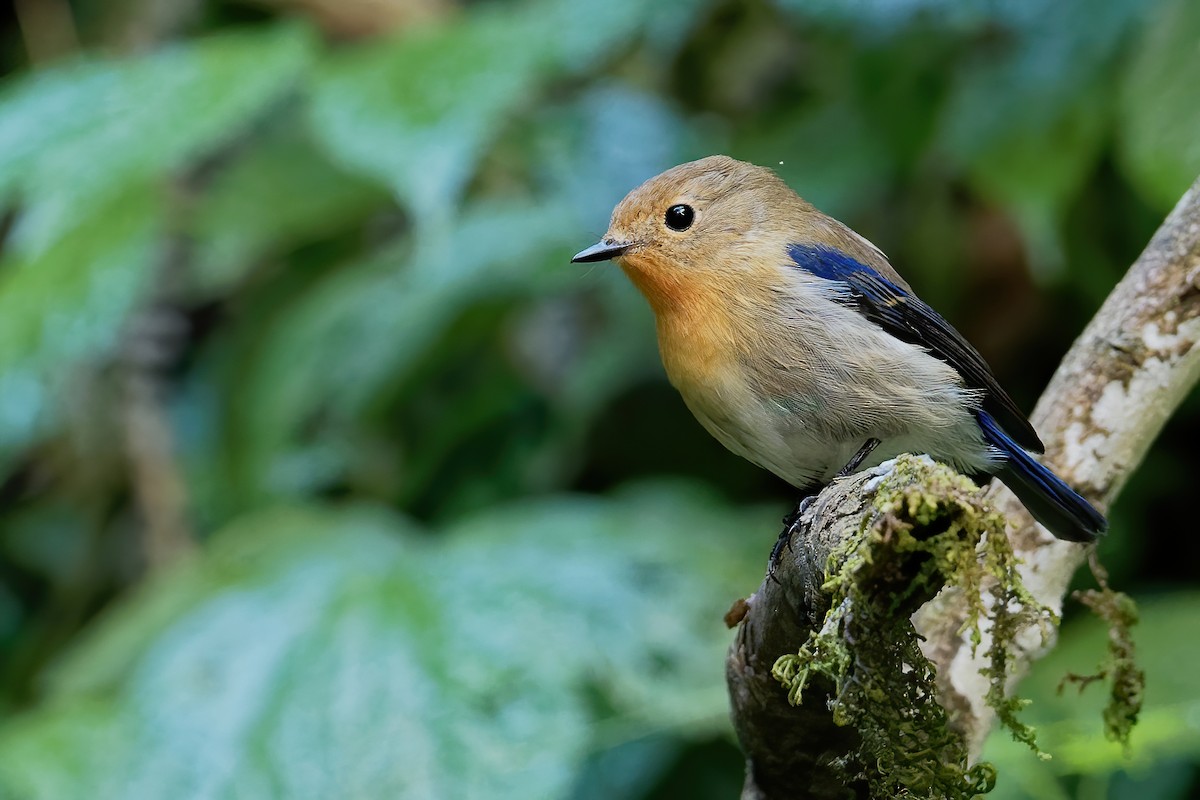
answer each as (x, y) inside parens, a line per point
(698, 335)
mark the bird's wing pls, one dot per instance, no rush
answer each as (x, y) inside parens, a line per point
(909, 319)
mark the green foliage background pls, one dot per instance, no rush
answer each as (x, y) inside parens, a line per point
(454, 535)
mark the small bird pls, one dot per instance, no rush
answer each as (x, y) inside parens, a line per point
(798, 346)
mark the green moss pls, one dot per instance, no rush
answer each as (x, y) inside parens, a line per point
(929, 519)
(1127, 682)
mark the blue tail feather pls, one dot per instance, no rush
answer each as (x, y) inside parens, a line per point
(1051, 502)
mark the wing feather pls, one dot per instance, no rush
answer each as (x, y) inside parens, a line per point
(909, 319)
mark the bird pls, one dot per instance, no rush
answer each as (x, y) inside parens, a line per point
(798, 346)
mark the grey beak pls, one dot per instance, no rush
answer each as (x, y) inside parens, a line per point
(600, 251)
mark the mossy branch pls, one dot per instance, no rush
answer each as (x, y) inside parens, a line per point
(855, 668)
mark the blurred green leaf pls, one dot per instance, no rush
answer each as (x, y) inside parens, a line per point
(1026, 76)
(1166, 779)
(886, 16)
(319, 653)
(1016, 172)
(797, 146)
(1159, 113)
(339, 346)
(72, 137)
(283, 192)
(626, 770)
(417, 112)
(67, 303)
(617, 574)
(1026, 117)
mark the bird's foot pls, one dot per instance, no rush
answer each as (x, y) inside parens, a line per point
(790, 525)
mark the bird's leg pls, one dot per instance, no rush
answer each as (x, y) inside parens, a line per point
(857, 459)
(792, 520)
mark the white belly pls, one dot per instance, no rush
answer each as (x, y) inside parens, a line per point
(807, 437)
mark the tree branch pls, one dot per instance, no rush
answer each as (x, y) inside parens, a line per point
(1109, 399)
(873, 548)
(789, 750)
(1112, 394)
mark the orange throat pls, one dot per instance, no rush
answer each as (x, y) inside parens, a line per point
(695, 333)
(657, 283)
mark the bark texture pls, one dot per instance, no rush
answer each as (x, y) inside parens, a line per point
(790, 749)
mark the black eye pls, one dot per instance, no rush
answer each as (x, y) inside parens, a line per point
(679, 218)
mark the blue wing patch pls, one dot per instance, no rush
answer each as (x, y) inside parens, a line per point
(834, 265)
(909, 319)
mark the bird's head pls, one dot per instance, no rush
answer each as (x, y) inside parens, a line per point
(697, 222)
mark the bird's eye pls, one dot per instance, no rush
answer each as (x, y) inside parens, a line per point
(679, 218)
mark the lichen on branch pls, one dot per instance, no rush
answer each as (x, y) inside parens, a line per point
(1126, 680)
(929, 529)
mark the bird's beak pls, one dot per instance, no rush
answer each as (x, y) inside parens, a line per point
(602, 250)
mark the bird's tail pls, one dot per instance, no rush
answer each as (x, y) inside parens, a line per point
(1051, 502)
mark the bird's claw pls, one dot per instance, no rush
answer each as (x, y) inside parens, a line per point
(790, 524)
